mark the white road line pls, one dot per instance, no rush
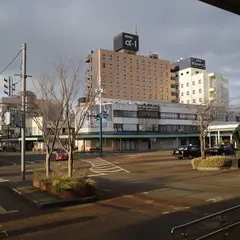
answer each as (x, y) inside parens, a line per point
(2, 210)
(13, 163)
(103, 167)
(216, 199)
(3, 180)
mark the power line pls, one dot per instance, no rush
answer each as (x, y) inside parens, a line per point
(10, 63)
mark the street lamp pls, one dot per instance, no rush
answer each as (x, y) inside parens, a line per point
(100, 92)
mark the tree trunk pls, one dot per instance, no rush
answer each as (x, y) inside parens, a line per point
(70, 161)
(48, 156)
(202, 146)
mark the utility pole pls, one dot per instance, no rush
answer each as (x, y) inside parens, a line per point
(23, 76)
(100, 92)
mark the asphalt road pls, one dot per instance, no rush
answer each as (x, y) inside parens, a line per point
(145, 201)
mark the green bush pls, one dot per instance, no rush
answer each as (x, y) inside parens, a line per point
(212, 162)
(238, 154)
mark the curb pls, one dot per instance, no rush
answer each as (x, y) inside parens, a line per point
(59, 203)
(214, 168)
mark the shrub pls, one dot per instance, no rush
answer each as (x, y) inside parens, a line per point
(212, 162)
(238, 154)
(195, 162)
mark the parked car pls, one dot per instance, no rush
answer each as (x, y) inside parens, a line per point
(223, 149)
(61, 154)
(189, 151)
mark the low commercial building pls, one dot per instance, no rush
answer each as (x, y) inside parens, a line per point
(137, 125)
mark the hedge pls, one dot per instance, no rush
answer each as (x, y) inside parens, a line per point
(212, 162)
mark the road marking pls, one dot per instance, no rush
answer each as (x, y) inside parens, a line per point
(3, 233)
(216, 199)
(13, 163)
(3, 180)
(103, 167)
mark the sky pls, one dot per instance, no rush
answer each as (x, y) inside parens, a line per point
(56, 29)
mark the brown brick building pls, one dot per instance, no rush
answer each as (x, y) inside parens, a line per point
(125, 75)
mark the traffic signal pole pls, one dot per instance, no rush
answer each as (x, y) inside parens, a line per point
(23, 77)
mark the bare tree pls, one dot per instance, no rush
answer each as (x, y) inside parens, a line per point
(47, 113)
(206, 114)
(66, 93)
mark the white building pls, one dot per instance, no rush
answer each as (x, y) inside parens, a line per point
(197, 86)
(138, 125)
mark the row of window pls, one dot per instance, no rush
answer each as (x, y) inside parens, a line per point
(193, 92)
(167, 115)
(136, 69)
(193, 101)
(187, 73)
(155, 128)
(137, 78)
(138, 95)
(193, 83)
(143, 62)
(144, 87)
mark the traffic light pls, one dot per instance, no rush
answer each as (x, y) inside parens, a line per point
(7, 86)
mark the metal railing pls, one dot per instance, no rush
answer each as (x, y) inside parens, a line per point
(184, 226)
(224, 231)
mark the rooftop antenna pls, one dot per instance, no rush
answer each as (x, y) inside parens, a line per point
(136, 29)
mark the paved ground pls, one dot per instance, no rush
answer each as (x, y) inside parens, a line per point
(150, 193)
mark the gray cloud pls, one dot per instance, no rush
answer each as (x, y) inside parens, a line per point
(172, 28)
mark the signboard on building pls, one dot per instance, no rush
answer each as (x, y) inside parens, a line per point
(126, 41)
(197, 63)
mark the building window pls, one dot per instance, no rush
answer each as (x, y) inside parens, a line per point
(160, 65)
(130, 77)
(111, 75)
(166, 89)
(182, 94)
(193, 83)
(149, 71)
(181, 85)
(187, 92)
(111, 84)
(117, 75)
(187, 101)
(194, 101)
(161, 73)
(137, 61)
(182, 102)
(111, 93)
(193, 91)
(161, 89)
(131, 94)
(166, 81)
(200, 90)
(161, 97)
(200, 81)
(117, 58)
(144, 87)
(167, 97)
(110, 57)
(137, 78)
(143, 62)
(137, 86)
(103, 65)
(143, 70)
(103, 56)
(150, 80)
(125, 76)
(124, 94)
(200, 100)
(117, 67)
(197, 72)
(124, 68)
(130, 59)
(131, 85)
(124, 85)
(118, 93)
(187, 84)
(118, 84)
(166, 74)
(110, 66)
(137, 95)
